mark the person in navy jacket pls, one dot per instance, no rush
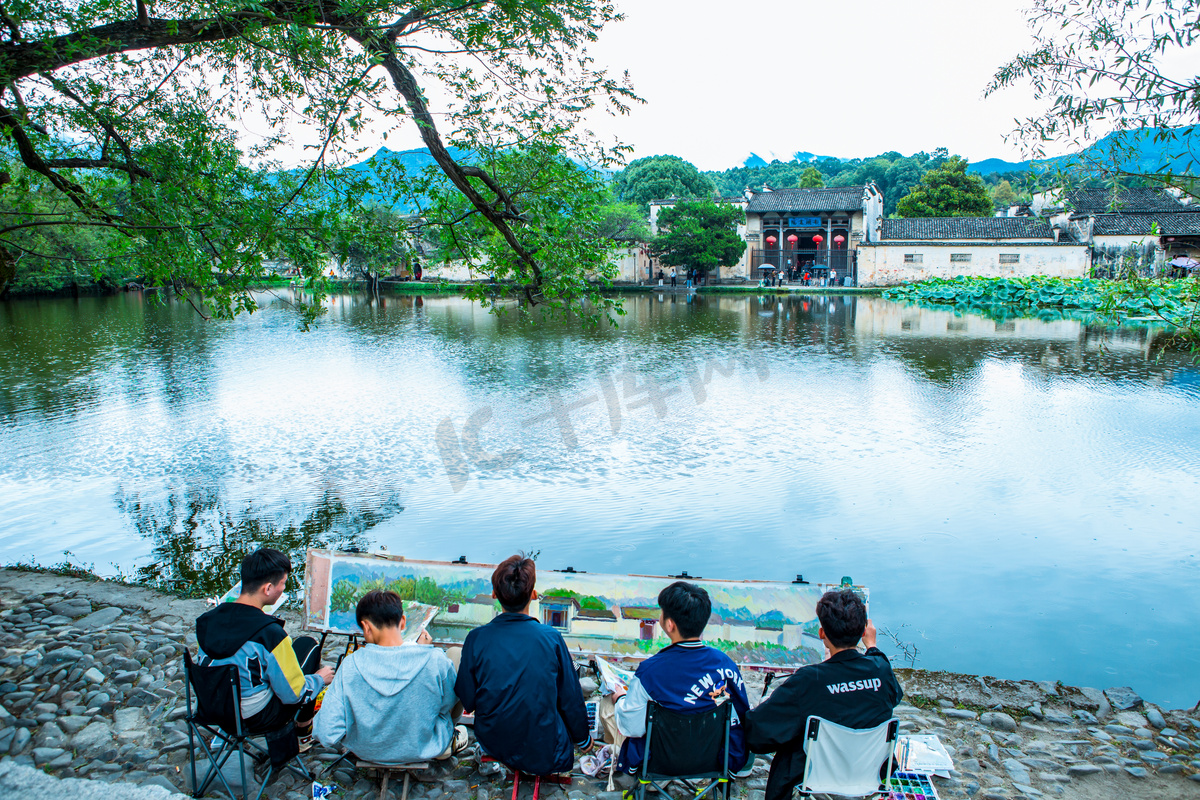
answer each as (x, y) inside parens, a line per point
(517, 677)
(687, 677)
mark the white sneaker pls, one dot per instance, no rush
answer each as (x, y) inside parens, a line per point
(460, 741)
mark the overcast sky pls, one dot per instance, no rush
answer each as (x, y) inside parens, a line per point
(722, 80)
(848, 79)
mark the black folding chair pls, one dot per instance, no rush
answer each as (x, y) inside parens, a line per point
(216, 714)
(686, 747)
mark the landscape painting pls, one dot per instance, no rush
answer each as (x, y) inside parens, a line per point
(755, 622)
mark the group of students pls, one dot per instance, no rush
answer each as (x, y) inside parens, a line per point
(392, 702)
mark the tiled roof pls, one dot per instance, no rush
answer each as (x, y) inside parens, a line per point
(1101, 201)
(840, 198)
(1185, 223)
(595, 613)
(558, 600)
(956, 228)
(640, 612)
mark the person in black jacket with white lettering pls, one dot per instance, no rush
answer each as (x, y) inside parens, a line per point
(857, 690)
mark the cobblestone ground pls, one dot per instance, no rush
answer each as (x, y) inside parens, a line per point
(91, 687)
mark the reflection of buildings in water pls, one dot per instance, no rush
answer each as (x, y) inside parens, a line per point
(1128, 340)
(878, 317)
(945, 346)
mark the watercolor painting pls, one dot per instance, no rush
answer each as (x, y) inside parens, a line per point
(756, 622)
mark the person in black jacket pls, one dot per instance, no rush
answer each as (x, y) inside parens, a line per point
(516, 675)
(857, 690)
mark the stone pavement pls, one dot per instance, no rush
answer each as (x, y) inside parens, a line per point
(91, 687)
(20, 781)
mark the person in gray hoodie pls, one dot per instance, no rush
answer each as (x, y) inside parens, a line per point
(391, 702)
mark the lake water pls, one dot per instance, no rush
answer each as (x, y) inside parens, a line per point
(1022, 498)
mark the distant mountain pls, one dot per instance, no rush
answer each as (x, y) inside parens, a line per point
(1145, 155)
(990, 165)
(412, 161)
(804, 157)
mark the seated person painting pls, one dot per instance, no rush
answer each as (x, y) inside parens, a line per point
(687, 676)
(516, 675)
(279, 680)
(857, 690)
(391, 702)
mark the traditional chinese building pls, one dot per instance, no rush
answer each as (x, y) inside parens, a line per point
(840, 233)
(902, 250)
(815, 229)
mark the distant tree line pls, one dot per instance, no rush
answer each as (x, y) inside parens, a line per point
(666, 176)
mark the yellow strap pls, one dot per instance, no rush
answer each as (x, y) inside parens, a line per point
(286, 656)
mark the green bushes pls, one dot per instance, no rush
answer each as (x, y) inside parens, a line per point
(1170, 302)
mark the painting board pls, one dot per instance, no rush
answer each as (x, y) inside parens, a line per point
(235, 592)
(757, 622)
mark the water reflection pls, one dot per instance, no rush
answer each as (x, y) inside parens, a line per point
(987, 480)
(197, 540)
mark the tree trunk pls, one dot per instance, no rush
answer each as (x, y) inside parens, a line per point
(8, 271)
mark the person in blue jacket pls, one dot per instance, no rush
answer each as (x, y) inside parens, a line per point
(687, 677)
(517, 677)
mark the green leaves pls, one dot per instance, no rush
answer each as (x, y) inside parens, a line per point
(947, 192)
(1106, 67)
(699, 234)
(660, 178)
(142, 138)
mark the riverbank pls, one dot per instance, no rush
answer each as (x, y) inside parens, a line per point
(433, 287)
(91, 688)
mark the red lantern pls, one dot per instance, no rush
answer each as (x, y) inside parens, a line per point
(818, 239)
(771, 240)
(839, 239)
(792, 239)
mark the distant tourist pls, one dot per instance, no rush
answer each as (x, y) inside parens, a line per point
(690, 272)
(833, 277)
(279, 680)
(687, 677)
(517, 676)
(857, 690)
(673, 283)
(391, 703)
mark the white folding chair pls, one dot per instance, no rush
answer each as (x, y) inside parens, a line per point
(845, 761)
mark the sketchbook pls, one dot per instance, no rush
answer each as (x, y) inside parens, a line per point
(612, 677)
(417, 617)
(922, 753)
(236, 591)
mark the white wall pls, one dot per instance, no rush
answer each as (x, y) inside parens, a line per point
(869, 220)
(1124, 241)
(883, 264)
(630, 263)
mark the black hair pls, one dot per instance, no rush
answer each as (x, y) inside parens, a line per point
(688, 606)
(843, 617)
(264, 565)
(383, 609)
(513, 582)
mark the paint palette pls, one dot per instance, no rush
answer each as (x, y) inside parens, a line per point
(911, 786)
